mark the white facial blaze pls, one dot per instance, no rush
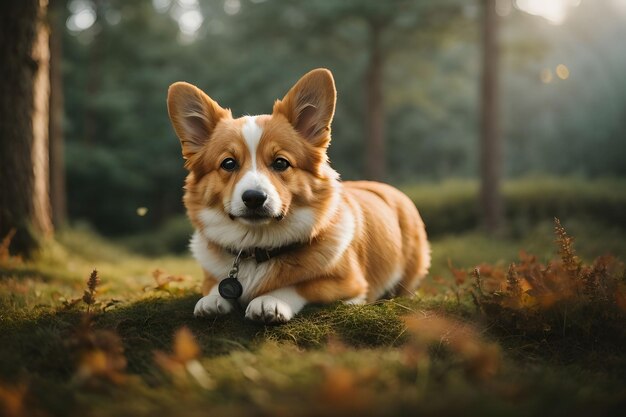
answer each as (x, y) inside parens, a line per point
(253, 179)
(251, 133)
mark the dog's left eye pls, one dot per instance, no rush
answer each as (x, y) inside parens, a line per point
(229, 164)
(280, 164)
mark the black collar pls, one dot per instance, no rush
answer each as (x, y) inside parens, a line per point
(262, 254)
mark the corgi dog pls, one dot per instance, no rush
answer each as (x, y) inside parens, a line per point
(272, 218)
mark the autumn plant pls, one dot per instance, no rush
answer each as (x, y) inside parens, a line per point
(99, 353)
(562, 298)
(89, 296)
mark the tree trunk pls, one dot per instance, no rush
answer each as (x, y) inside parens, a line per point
(57, 144)
(490, 152)
(24, 53)
(375, 157)
(90, 123)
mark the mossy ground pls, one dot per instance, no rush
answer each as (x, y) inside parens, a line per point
(337, 359)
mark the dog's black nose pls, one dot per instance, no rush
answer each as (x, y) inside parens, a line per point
(253, 199)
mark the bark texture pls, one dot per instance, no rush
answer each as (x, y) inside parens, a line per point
(24, 96)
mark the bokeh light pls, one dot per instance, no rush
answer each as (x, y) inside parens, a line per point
(562, 71)
(83, 15)
(190, 21)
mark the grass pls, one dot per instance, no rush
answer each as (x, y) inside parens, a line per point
(128, 356)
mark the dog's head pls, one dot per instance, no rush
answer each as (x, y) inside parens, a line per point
(264, 179)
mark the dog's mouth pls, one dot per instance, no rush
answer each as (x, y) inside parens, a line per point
(256, 216)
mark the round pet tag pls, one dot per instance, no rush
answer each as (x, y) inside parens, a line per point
(230, 288)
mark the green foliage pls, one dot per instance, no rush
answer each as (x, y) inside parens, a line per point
(447, 207)
(452, 206)
(171, 237)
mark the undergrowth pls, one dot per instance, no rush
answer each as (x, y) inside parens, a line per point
(563, 298)
(538, 336)
(452, 206)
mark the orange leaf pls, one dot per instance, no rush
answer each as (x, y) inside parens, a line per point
(185, 346)
(12, 400)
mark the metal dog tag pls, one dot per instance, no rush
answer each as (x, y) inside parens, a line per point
(230, 288)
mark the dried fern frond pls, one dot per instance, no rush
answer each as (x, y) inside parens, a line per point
(93, 281)
(89, 296)
(566, 249)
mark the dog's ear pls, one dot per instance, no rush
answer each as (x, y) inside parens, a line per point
(309, 106)
(194, 115)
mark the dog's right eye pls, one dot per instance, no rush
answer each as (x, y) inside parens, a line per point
(229, 164)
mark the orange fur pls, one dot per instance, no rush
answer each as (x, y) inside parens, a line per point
(366, 239)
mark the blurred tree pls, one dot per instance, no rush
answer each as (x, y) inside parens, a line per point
(141, 53)
(24, 52)
(121, 153)
(360, 33)
(490, 147)
(247, 53)
(375, 155)
(58, 199)
(391, 27)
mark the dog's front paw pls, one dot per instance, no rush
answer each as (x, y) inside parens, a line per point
(269, 309)
(211, 305)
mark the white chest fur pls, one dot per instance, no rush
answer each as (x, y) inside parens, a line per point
(250, 275)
